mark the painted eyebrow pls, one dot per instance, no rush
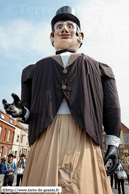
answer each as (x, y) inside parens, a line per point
(64, 21)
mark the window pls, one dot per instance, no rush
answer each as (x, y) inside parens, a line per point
(10, 150)
(11, 121)
(17, 140)
(8, 136)
(1, 151)
(21, 138)
(16, 154)
(0, 131)
(6, 150)
(22, 150)
(26, 140)
(12, 137)
(5, 134)
(2, 115)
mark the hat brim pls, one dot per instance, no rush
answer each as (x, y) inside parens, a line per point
(11, 155)
(22, 155)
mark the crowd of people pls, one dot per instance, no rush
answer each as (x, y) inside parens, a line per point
(12, 166)
(120, 175)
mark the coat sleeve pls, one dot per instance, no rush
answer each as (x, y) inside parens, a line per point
(26, 84)
(111, 106)
(4, 171)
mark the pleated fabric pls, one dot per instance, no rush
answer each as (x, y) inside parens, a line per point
(65, 155)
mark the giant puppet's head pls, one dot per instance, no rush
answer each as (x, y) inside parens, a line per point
(66, 30)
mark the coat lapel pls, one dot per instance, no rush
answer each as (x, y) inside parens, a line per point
(72, 58)
(58, 59)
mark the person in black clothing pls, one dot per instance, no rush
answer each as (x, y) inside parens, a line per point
(120, 181)
(116, 180)
(21, 164)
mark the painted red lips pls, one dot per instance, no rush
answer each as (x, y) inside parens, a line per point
(65, 35)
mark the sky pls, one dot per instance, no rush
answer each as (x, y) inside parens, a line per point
(25, 39)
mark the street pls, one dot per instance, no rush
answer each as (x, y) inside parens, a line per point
(1, 179)
(114, 191)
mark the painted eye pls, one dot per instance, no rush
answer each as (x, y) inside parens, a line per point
(70, 26)
(59, 27)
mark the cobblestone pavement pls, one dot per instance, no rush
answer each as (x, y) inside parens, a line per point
(114, 191)
(1, 180)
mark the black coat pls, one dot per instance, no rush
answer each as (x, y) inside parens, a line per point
(89, 89)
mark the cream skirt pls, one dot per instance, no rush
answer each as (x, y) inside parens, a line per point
(65, 155)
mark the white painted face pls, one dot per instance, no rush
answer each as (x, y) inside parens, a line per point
(65, 36)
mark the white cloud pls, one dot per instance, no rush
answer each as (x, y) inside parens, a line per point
(105, 20)
(106, 28)
(105, 24)
(25, 36)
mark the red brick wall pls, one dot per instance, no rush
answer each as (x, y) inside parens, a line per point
(4, 133)
(124, 128)
(124, 147)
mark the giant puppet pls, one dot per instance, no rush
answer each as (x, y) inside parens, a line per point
(65, 99)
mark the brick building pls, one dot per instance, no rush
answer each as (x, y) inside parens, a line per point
(124, 136)
(16, 140)
(6, 134)
(23, 147)
(124, 146)
(13, 137)
(20, 142)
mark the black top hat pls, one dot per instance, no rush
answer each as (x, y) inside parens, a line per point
(10, 155)
(22, 155)
(65, 13)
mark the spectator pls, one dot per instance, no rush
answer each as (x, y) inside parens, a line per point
(21, 164)
(8, 169)
(111, 176)
(116, 180)
(127, 175)
(120, 181)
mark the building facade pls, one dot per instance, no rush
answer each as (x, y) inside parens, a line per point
(13, 137)
(7, 129)
(16, 141)
(124, 146)
(23, 147)
(124, 137)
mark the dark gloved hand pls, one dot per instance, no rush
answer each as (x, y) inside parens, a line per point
(112, 153)
(15, 109)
